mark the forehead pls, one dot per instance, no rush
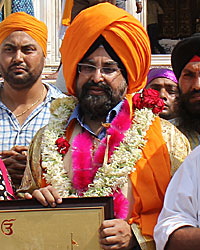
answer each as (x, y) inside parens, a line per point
(99, 54)
(192, 66)
(162, 81)
(19, 38)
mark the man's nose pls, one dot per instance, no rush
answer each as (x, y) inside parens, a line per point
(18, 56)
(196, 84)
(163, 94)
(97, 76)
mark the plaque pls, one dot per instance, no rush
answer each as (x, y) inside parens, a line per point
(74, 224)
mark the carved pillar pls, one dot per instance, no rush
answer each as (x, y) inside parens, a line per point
(49, 11)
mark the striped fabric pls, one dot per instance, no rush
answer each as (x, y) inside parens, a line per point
(11, 133)
(193, 138)
(19, 5)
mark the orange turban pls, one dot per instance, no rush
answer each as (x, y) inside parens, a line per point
(20, 21)
(121, 30)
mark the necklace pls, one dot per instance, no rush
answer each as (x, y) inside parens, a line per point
(33, 104)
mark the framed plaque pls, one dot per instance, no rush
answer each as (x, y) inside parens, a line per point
(74, 224)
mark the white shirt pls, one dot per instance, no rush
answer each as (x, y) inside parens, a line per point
(60, 81)
(182, 200)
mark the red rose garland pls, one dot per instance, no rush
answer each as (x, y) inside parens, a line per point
(149, 98)
(63, 145)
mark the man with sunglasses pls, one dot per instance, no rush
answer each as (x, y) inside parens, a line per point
(109, 140)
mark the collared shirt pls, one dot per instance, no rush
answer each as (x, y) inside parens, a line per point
(12, 133)
(79, 117)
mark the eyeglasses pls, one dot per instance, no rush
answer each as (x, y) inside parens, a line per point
(88, 69)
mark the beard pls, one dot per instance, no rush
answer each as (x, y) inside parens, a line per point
(26, 81)
(189, 112)
(99, 105)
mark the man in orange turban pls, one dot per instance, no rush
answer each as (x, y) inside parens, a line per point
(20, 21)
(24, 99)
(113, 142)
(130, 43)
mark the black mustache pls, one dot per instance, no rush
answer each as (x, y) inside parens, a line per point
(18, 64)
(193, 92)
(104, 86)
(185, 97)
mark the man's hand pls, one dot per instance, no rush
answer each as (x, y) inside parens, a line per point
(46, 195)
(15, 162)
(116, 234)
(139, 7)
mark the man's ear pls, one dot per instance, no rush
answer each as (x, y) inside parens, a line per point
(45, 61)
(75, 82)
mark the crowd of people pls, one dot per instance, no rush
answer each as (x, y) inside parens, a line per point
(120, 129)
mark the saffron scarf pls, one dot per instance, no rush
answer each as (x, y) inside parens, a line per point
(66, 18)
(150, 180)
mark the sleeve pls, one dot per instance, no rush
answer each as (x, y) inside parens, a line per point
(181, 201)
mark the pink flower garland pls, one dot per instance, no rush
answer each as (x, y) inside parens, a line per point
(84, 169)
(121, 205)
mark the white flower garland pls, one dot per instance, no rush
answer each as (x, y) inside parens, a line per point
(110, 176)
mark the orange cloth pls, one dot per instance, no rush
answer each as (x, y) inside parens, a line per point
(66, 19)
(150, 180)
(122, 31)
(20, 21)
